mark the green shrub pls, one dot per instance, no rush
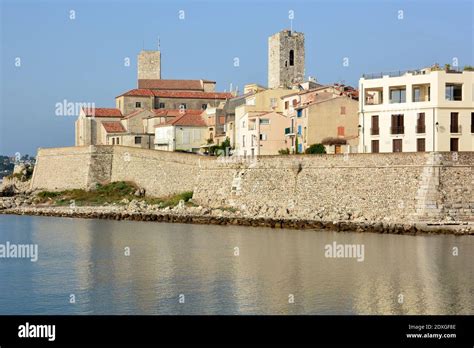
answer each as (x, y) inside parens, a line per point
(315, 148)
(284, 151)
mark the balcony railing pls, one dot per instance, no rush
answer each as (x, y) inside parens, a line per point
(455, 128)
(397, 130)
(375, 131)
(421, 129)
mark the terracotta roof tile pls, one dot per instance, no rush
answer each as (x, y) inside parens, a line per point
(188, 119)
(192, 95)
(102, 112)
(113, 127)
(176, 112)
(173, 84)
(138, 92)
(143, 92)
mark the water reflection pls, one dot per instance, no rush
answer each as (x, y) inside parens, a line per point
(87, 258)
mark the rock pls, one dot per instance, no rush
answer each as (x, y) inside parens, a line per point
(8, 191)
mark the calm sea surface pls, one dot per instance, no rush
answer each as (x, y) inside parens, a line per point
(197, 264)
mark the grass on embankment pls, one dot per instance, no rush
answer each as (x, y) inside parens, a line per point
(114, 192)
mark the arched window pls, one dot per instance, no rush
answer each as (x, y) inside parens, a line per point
(292, 57)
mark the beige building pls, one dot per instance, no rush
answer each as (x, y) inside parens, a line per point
(186, 132)
(88, 126)
(261, 102)
(431, 109)
(326, 114)
(261, 133)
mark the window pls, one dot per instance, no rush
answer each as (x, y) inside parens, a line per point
(161, 106)
(292, 57)
(375, 125)
(454, 122)
(203, 106)
(113, 141)
(340, 131)
(397, 125)
(243, 124)
(420, 123)
(243, 140)
(138, 104)
(252, 152)
(295, 102)
(138, 140)
(398, 95)
(287, 105)
(264, 121)
(420, 145)
(472, 122)
(252, 137)
(397, 145)
(299, 113)
(343, 110)
(299, 129)
(453, 91)
(416, 94)
(375, 146)
(182, 106)
(273, 102)
(263, 136)
(186, 137)
(118, 141)
(454, 144)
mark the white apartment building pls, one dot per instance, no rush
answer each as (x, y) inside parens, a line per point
(424, 110)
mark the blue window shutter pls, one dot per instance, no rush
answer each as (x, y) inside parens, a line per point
(299, 130)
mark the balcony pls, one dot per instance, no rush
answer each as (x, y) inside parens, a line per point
(289, 131)
(455, 128)
(375, 131)
(397, 130)
(420, 129)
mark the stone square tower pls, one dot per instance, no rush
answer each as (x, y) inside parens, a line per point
(149, 65)
(285, 59)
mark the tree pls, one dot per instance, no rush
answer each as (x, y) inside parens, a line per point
(316, 148)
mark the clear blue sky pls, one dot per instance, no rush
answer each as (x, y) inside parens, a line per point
(82, 60)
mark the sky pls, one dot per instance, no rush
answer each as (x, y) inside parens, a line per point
(77, 51)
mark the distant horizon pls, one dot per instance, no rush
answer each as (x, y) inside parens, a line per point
(78, 50)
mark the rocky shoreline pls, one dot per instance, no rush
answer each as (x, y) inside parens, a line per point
(140, 211)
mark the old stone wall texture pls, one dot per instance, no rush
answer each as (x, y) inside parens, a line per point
(341, 187)
(62, 168)
(397, 186)
(161, 173)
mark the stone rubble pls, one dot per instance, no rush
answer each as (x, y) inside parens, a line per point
(139, 210)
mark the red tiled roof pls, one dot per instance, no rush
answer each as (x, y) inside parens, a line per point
(173, 84)
(177, 94)
(176, 112)
(188, 119)
(113, 127)
(103, 112)
(134, 113)
(192, 95)
(140, 92)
